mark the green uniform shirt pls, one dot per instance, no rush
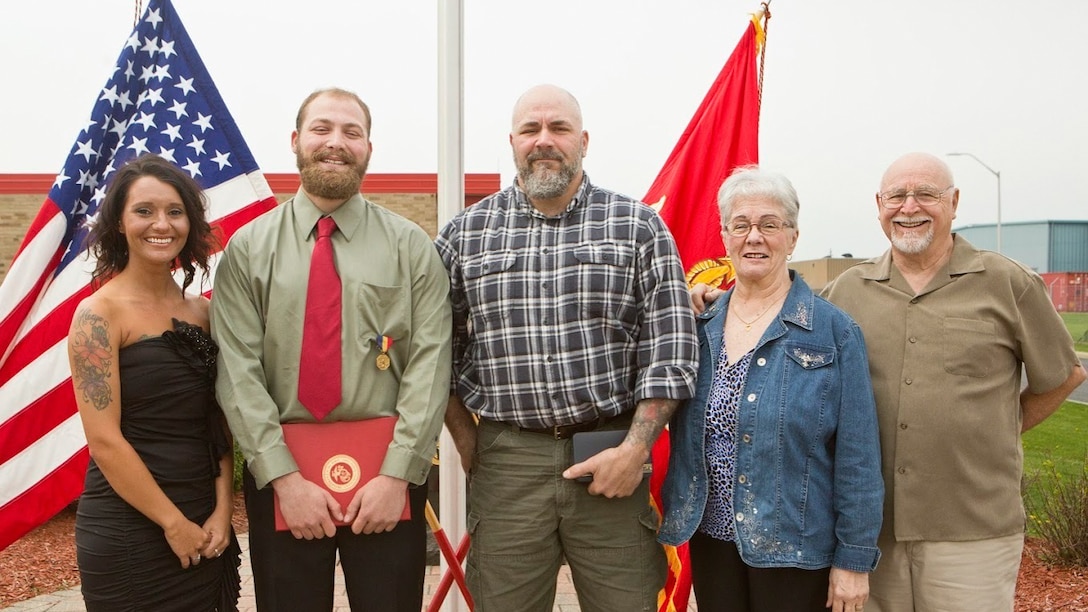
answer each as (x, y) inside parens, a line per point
(946, 367)
(394, 284)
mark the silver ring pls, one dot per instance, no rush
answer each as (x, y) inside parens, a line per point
(217, 552)
(198, 556)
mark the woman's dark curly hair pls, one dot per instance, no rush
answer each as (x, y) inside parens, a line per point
(110, 246)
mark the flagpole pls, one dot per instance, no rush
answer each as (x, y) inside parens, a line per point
(451, 198)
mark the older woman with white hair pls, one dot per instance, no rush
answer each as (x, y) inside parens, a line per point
(774, 477)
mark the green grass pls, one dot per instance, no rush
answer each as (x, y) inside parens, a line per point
(1061, 439)
(1077, 324)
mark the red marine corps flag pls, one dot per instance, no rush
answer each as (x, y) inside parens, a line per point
(723, 134)
(157, 99)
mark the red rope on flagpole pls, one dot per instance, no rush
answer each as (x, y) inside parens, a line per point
(763, 52)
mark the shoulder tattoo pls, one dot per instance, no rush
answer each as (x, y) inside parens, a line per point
(91, 358)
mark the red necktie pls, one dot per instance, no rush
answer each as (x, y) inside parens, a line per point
(319, 366)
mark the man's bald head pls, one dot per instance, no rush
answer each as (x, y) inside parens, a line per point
(547, 95)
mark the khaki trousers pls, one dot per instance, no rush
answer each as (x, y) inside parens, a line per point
(946, 576)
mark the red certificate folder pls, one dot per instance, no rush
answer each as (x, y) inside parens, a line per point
(340, 456)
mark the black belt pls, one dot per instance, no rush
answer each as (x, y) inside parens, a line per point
(563, 432)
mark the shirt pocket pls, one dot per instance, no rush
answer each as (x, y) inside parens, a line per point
(383, 310)
(487, 263)
(488, 288)
(604, 253)
(603, 282)
(810, 357)
(969, 347)
(809, 382)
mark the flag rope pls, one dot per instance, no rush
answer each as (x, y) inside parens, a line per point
(762, 37)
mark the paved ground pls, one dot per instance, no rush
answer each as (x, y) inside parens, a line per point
(71, 601)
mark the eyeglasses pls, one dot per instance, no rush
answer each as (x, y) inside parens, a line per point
(925, 196)
(767, 227)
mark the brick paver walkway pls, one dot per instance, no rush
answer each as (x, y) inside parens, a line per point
(71, 601)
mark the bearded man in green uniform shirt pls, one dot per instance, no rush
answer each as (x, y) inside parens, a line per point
(394, 359)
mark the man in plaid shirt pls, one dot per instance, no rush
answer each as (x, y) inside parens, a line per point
(571, 314)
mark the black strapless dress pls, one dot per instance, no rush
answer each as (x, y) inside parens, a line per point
(169, 415)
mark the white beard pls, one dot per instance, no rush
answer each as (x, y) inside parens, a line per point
(912, 244)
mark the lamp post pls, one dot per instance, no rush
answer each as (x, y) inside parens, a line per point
(996, 173)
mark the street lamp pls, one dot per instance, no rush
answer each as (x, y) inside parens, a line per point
(996, 173)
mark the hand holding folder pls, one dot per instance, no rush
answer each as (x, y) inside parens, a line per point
(341, 457)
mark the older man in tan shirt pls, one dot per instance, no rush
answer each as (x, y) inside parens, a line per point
(949, 328)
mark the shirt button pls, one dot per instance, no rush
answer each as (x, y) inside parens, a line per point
(913, 339)
(902, 470)
(762, 361)
(742, 479)
(548, 359)
(751, 397)
(914, 300)
(902, 426)
(747, 438)
(909, 381)
(740, 517)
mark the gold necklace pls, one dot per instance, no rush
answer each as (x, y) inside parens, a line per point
(748, 324)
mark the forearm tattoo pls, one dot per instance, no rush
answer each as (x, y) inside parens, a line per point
(91, 359)
(650, 418)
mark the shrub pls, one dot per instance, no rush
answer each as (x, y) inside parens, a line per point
(1058, 512)
(239, 465)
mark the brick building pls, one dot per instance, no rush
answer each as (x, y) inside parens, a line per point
(411, 195)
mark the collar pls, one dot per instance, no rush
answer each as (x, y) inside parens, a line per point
(522, 204)
(348, 216)
(798, 307)
(965, 259)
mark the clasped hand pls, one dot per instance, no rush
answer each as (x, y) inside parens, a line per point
(310, 510)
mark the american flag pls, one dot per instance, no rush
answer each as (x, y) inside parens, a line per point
(158, 99)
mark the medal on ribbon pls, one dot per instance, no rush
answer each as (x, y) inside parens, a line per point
(384, 344)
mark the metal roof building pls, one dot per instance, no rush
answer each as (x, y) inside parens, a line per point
(1044, 246)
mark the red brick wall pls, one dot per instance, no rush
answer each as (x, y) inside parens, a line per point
(409, 195)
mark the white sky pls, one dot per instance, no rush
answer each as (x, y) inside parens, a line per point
(849, 86)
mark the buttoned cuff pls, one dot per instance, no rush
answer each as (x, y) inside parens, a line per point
(406, 465)
(272, 464)
(856, 558)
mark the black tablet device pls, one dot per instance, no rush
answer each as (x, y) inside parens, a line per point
(588, 443)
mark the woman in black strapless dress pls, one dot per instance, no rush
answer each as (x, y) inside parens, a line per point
(153, 525)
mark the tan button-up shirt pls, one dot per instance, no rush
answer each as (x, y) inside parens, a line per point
(946, 368)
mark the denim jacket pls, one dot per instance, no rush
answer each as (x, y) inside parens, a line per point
(808, 491)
